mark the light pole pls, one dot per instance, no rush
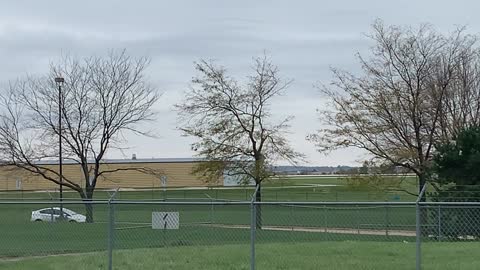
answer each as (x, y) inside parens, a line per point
(59, 81)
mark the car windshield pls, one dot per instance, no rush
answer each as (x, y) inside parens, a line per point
(68, 211)
(56, 211)
(46, 211)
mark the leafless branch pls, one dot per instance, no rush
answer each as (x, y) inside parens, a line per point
(232, 121)
(102, 97)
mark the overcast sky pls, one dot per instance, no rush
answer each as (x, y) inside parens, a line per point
(304, 38)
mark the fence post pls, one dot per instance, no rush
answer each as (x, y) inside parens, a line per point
(110, 234)
(418, 227)
(253, 227)
(111, 229)
(418, 236)
(358, 219)
(387, 220)
(292, 216)
(212, 211)
(252, 235)
(211, 208)
(325, 218)
(439, 217)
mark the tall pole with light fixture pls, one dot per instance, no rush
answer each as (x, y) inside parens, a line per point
(59, 81)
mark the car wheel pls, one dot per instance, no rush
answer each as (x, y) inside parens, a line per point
(38, 220)
(72, 221)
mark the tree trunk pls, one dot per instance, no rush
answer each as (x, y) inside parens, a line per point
(88, 206)
(422, 181)
(258, 208)
(89, 212)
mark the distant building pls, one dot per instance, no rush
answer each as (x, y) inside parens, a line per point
(144, 173)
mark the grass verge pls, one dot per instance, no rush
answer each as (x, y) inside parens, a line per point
(319, 255)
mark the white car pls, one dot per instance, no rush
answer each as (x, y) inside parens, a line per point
(53, 213)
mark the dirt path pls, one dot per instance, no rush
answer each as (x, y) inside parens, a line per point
(21, 258)
(325, 230)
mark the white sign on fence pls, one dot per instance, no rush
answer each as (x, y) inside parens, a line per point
(163, 179)
(165, 220)
(18, 184)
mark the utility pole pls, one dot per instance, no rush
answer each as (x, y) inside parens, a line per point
(59, 81)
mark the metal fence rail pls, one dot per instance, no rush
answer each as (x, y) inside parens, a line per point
(245, 234)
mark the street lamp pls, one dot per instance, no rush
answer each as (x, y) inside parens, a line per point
(59, 82)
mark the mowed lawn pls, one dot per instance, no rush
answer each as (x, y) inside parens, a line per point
(199, 225)
(34, 239)
(215, 236)
(318, 188)
(347, 255)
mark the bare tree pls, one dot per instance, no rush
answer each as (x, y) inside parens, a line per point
(102, 98)
(396, 109)
(232, 123)
(461, 106)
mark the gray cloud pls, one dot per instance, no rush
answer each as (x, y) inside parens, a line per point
(304, 38)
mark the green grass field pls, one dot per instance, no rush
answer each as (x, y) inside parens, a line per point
(200, 225)
(322, 188)
(217, 236)
(318, 255)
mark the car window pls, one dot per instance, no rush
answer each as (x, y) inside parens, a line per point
(57, 212)
(69, 212)
(46, 211)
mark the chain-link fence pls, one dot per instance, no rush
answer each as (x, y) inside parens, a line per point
(276, 194)
(123, 234)
(450, 235)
